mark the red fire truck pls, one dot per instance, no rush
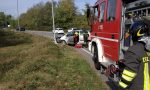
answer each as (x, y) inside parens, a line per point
(109, 20)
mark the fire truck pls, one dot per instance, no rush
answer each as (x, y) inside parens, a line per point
(109, 20)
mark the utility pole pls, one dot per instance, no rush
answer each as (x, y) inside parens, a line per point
(53, 21)
(18, 16)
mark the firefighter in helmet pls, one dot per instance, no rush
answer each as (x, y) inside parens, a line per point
(136, 74)
(76, 37)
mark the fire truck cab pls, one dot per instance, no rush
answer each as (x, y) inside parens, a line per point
(109, 20)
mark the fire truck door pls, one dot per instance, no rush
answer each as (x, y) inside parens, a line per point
(111, 30)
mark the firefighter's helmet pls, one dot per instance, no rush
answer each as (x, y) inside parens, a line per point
(138, 29)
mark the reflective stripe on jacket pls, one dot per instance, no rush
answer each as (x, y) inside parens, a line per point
(136, 75)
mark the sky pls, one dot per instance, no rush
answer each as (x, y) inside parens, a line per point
(10, 6)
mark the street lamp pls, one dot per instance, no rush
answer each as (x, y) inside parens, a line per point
(18, 16)
(53, 22)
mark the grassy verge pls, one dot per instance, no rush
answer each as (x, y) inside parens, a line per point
(9, 38)
(42, 65)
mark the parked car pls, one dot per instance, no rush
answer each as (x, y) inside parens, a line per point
(58, 30)
(20, 28)
(58, 36)
(69, 37)
(71, 29)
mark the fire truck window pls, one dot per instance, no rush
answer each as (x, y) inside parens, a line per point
(96, 13)
(111, 12)
(102, 9)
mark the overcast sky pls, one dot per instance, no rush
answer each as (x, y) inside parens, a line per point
(10, 6)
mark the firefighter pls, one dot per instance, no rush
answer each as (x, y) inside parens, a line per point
(136, 74)
(86, 35)
(76, 37)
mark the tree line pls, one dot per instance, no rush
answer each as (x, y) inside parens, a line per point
(6, 20)
(39, 17)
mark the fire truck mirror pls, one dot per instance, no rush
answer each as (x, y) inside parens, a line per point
(88, 12)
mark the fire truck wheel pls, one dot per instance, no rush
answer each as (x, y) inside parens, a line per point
(95, 58)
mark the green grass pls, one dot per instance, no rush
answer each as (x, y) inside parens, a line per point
(9, 38)
(42, 65)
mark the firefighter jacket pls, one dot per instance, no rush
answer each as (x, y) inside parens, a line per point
(136, 74)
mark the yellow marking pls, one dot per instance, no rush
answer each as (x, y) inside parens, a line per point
(127, 78)
(123, 85)
(139, 34)
(129, 73)
(145, 59)
(146, 77)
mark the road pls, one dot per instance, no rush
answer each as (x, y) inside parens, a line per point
(41, 33)
(84, 53)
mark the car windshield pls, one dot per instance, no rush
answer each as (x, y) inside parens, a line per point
(85, 31)
(75, 29)
(70, 33)
(59, 29)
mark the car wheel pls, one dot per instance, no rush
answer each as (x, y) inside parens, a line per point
(95, 57)
(64, 43)
(57, 40)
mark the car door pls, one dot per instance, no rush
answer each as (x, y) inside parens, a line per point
(70, 37)
(81, 38)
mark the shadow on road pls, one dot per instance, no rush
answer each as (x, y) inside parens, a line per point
(112, 85)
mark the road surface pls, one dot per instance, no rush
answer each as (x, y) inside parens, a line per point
(41, 33)
(84, 53)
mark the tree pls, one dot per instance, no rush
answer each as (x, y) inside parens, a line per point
(2, 19)
(5, 20)
(65, 13)
(39, 17)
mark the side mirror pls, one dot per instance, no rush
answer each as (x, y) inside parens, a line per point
(88, 12)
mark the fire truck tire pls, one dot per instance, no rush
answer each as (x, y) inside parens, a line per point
(95, 58)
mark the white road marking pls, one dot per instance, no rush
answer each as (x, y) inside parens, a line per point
(87, 51)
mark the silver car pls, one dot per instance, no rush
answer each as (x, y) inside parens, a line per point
(69, 37)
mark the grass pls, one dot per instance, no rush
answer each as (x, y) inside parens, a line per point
(42, 65)
(9, 38)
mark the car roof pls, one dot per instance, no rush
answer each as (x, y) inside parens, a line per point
(78, 30)
(58, 28)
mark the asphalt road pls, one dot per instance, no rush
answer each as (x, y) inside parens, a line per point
(84, 53)
(41, 33)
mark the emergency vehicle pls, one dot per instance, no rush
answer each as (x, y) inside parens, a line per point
(109, 20)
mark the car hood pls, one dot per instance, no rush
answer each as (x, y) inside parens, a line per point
(63, 37)
(60, 31)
